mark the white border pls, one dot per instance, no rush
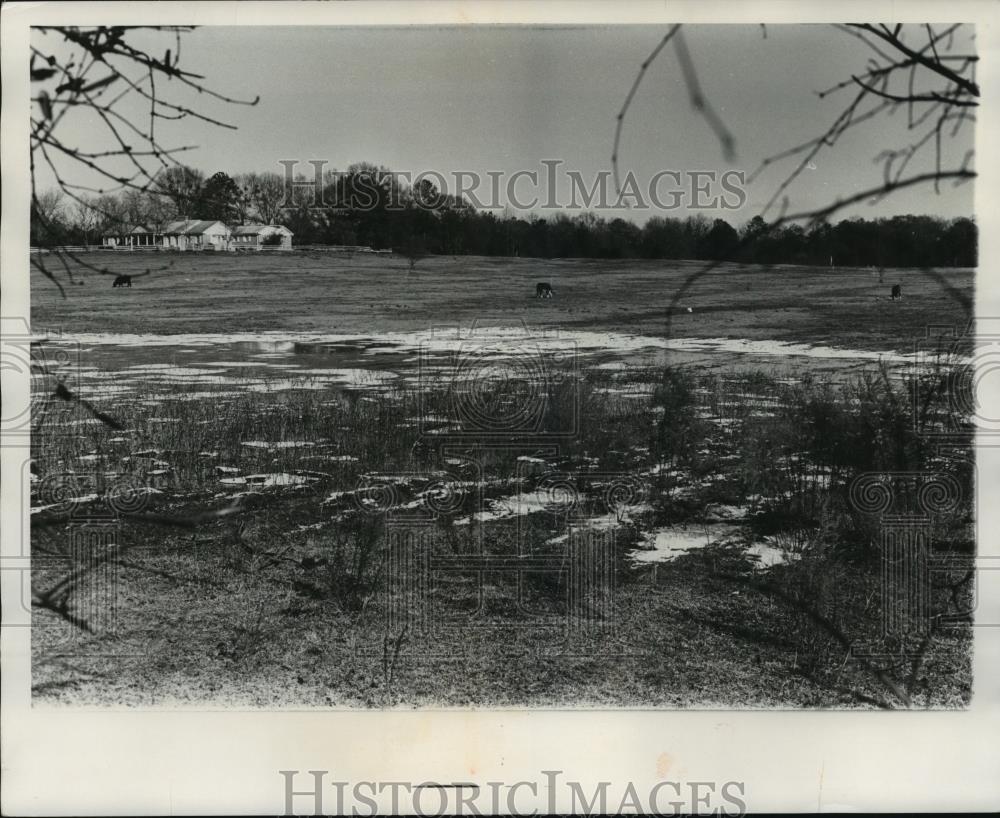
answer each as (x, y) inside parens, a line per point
(189, 762)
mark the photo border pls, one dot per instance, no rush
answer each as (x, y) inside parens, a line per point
(198, 760)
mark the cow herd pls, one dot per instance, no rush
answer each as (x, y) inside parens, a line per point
(542, 289)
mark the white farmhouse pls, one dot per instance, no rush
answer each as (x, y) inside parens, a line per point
(255, 236)
(192, 234)
(139, 237)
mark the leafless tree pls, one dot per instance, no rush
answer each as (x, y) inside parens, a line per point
(918, 69)
(181, 185)
(50, 205)
(266, 192)
(923, 69)
(100, 72)
(86, 217)
(243, 206)
(48, 209)
(414, 251)
(111, 213)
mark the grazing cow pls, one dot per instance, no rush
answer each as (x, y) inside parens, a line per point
(123, 281)
(543, 290)
(897, 292)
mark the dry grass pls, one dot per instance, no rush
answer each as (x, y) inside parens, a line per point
(297, 600)
(331, 293)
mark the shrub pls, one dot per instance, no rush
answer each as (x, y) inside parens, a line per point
(679, 431)
(347, 568)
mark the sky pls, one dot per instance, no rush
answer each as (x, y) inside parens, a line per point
(507, 99)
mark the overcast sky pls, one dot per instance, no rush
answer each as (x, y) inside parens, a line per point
(505, 99)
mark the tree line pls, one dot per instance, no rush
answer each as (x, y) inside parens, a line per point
(368, 205)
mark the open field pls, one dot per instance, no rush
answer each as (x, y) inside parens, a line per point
(324, 292)
(319, 499)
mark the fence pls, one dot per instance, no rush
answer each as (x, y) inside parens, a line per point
(341, 248)
(70, 248)
(318, 248)
(149, 248)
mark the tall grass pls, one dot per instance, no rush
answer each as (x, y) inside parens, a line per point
(784, 451)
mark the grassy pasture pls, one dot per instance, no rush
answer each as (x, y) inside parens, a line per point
(289, 602)
(208, 292)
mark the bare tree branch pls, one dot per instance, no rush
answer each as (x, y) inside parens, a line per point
(631, 93)
(935, 65)
(698, 99)
(104, 66)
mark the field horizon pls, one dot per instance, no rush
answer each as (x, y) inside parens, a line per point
(325, 292)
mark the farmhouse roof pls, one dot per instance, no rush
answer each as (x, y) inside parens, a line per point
(190, 227)
(257, 229)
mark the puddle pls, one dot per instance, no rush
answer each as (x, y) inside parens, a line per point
(167, 370)
(551, 502)
(72, 501)
(723, 512)
(246, 364)
(603, 522)
(495, 341)
(279, 444)
(219, 365)
(267, 480)
(768, 555)
(666, 544)
(517, 505)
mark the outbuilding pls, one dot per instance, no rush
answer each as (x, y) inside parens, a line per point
(256, 236)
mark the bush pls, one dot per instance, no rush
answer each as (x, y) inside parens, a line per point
(346, 569)
(800, 463)
(680, 432)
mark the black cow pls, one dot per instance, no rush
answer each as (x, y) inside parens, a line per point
(123, 281)
(897, 292)
(544, 290)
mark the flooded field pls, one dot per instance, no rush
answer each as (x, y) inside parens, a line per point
(274, 361)
(571, 506)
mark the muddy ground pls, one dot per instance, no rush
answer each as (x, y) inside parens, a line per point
(325, 404)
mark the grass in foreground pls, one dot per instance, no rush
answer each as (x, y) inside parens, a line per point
(305, 596)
